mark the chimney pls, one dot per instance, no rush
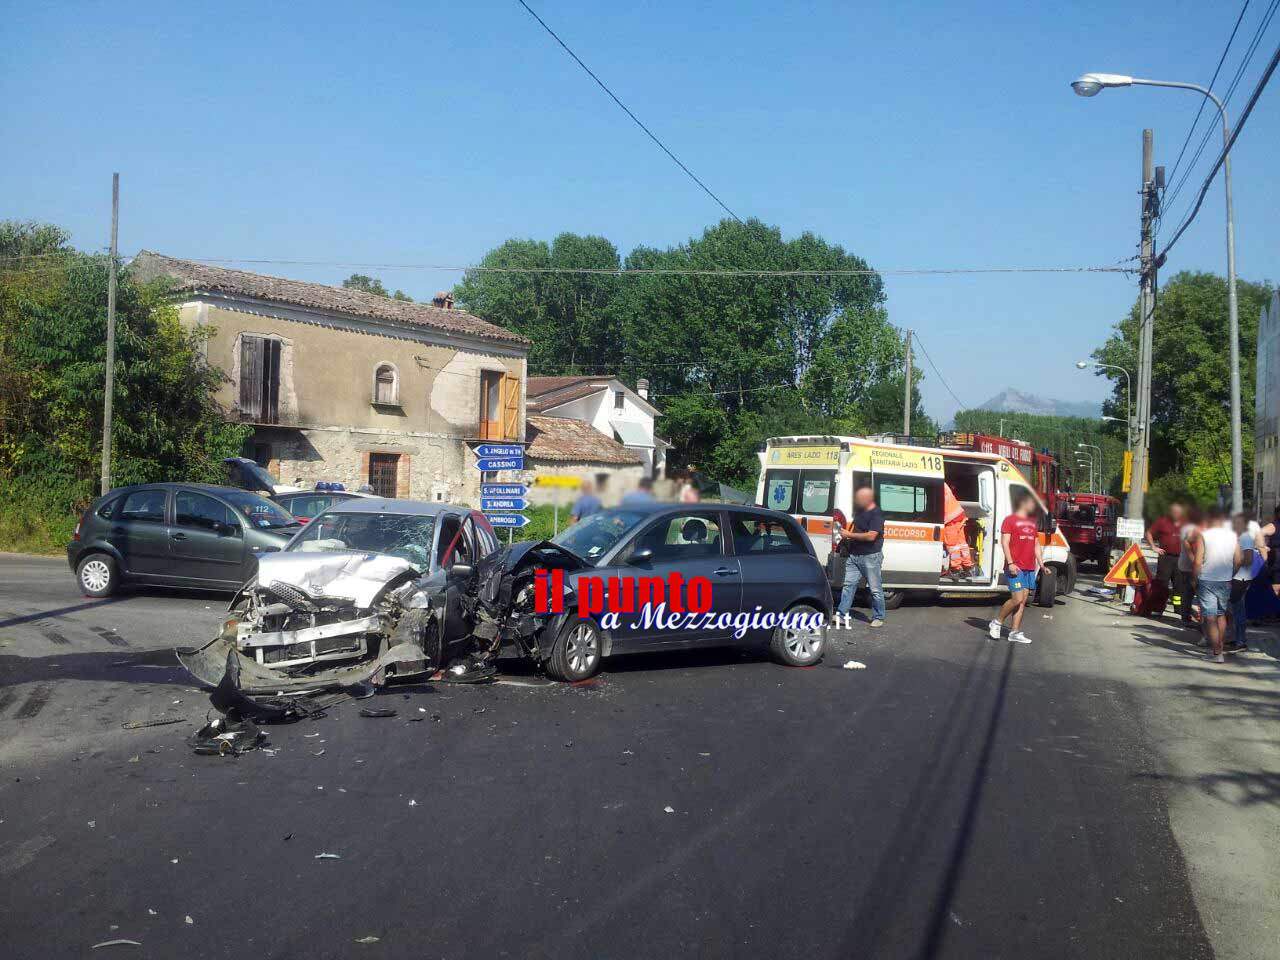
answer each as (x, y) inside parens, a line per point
(443, 300)
(642, 388)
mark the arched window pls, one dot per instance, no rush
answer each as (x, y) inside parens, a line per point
(386, 385)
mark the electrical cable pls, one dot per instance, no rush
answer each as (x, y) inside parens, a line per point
(1226, 150)
(1212, 80)
(627, 110)
(933, 366)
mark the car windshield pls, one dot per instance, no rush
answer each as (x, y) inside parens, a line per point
(594, 536)
(395, 534)
(260, 512)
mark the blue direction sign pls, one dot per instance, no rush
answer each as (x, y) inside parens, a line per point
(500, 463)
(499, 450)
(516, 520)
(503, 490)
(503, 503)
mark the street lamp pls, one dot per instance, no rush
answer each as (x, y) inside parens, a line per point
(1128, 392)
(1090, 85)
(1091, 446)
(1083, 461)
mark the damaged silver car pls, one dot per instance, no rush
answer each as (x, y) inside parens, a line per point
(369, 590)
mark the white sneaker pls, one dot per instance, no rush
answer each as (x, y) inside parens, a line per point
(993, 629)
(1019, 637)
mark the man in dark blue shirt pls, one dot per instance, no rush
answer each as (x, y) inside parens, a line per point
(586, 504)
(862, 546)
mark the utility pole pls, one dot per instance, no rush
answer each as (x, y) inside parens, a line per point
(906, 393)
(1146, 320)
(111, 338)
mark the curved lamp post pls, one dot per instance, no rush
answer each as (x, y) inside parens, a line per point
(1090, 85)
(1128, 396)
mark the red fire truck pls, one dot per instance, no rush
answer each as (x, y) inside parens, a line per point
(1088, 521)
(1039, 468)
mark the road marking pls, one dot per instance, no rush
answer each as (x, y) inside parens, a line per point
(34, 703)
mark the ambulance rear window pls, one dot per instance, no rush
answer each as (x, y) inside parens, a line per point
(800, 491)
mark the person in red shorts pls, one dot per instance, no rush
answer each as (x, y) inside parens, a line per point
(1023, 557)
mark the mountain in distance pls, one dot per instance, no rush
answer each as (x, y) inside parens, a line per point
(1010, 400)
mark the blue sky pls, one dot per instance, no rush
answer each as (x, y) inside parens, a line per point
(914, 134)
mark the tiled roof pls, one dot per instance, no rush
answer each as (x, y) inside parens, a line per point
(192, 277)
(575, 441)
(539, 390)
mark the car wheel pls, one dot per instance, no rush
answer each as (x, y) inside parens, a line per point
(1047, 590)
(97, 575)
(799, 646)
(893, 599)
(576, 652)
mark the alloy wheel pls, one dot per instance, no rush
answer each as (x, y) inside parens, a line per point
(803, 643)
(582, 649)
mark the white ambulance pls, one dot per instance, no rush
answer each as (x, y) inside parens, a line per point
(813, 478)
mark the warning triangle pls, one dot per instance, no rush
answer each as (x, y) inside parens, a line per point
(1131, 569)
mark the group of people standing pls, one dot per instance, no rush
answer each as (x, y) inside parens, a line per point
(1210, 562)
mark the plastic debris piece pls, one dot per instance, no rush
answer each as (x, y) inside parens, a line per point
(151, 912)
(327, 856)
(854, 665)
(288, 836)
(92, 823)
(318, 753)
(422, 709)
(370, 939)
(413, 803)
(668, 809)
(310, 735)
(135, 759)
(704, 754)
(187, 919)
(153, 722)
(377, 712)
(116, 943)
(174, 860)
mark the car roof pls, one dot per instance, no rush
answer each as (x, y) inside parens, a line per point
(180, 485)
(409, 508)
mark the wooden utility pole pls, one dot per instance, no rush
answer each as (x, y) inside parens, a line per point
(111, 338)
(906, 393)
(1146, 322)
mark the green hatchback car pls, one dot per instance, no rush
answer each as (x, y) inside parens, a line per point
(175, 535)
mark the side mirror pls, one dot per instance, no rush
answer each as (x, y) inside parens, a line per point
(640, 556)
(461, 570)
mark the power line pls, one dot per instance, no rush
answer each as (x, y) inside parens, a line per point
(1226, 149)
(1258, 34)
(934, 367)
(627, 110)
(1194, 123)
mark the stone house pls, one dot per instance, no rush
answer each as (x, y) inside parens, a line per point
(343, 385)
(610, 407)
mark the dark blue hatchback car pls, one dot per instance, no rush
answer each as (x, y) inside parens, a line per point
(758, 564)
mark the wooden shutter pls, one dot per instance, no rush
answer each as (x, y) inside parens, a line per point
(271, 382)
(251, 378)
(511, 408)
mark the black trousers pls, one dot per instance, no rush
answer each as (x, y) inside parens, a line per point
(1185, 587)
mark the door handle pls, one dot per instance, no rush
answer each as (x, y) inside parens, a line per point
(724, 572)
(177, 536)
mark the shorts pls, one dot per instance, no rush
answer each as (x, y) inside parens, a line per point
(1025, 580)
(1214, 597)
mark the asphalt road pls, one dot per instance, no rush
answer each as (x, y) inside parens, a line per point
(957, 798)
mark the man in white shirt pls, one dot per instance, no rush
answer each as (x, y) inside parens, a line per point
(1217, 559)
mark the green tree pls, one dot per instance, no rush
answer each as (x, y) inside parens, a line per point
(358, 281)
(566, 315)
(1190, 377)
(52, 364)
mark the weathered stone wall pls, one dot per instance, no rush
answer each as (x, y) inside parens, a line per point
(431, 467)
(620, 479)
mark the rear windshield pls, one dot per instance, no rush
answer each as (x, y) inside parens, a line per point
(800, 491)
(259, 511)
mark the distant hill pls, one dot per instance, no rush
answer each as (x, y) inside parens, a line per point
(1015, 401)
